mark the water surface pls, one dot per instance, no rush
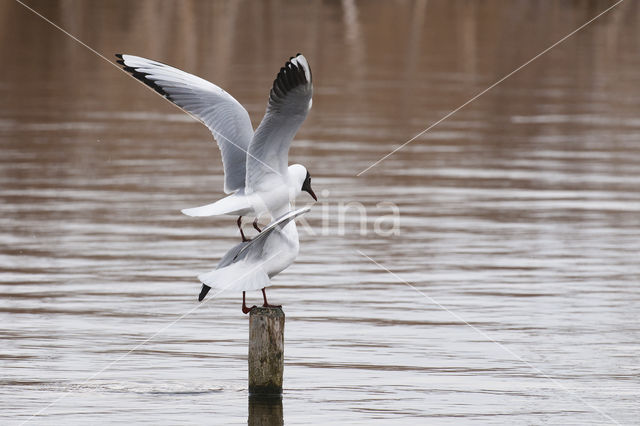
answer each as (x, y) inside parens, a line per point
(513, 293)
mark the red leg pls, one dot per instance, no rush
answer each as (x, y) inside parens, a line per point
(266, 304)
(255, 225)
(244, 239)
(246, 310)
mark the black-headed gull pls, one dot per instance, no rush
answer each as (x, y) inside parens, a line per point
(251, 264)
(255, 165)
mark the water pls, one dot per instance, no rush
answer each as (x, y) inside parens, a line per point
(512, 296)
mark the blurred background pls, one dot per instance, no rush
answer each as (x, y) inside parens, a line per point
(519, 214)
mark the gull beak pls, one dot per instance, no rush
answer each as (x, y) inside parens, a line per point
(307, 187)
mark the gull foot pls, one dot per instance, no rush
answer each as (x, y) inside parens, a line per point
(266, 304)
(246, 310)
(244, 239)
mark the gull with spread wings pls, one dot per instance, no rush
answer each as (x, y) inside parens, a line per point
(256, 171)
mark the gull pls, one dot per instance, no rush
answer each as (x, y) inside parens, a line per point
(251, 264)
(256, 174)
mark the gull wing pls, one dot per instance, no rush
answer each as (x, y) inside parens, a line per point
(289, 103)
(219, 111)
(259, 239)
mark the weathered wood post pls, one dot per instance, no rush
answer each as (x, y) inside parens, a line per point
(266, 350)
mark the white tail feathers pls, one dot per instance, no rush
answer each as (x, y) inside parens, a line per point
(239, 276)
(236, 205)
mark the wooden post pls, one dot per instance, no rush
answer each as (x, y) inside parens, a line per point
(266, 350)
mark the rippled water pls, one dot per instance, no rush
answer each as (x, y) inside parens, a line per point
(512, 296)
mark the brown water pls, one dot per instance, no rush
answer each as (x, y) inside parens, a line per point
(519, 215)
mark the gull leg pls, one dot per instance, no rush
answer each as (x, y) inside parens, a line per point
(255, 225)
(266, 304)
(246, 310)
(244, 239)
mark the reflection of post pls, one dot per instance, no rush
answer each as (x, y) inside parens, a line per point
(265, 410)
(266, 351)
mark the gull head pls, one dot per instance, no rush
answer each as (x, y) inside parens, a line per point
(300, 180)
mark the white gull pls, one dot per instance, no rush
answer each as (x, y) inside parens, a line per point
(256, 171)
(251, 264)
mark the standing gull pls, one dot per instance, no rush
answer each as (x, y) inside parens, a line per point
(256, 174)
(251, 264)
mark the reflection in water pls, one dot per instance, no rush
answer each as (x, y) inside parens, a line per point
(520, 213)
(265, 410)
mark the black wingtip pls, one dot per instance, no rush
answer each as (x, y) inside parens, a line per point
(203, 292)
(289, 77)
(141, 76)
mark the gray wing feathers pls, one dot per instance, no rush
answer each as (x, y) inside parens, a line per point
(289, 104)
(254, 246)
(220, 112)
(231, 255)
(258, 241)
